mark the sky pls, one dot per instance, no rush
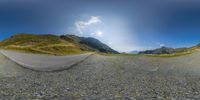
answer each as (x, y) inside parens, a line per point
(124, 25)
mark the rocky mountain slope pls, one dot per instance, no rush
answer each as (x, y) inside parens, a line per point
(56, 45)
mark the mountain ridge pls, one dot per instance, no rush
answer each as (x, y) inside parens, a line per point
(54, 44)
(168, 50)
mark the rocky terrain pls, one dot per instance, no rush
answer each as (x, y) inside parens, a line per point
(106, 77)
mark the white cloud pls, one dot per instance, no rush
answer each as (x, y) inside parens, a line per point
(161, 44)
(81, 25)
(93, 20)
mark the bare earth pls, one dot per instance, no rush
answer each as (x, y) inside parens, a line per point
(106, 77)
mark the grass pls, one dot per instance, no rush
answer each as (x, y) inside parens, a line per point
(122, 54)
(151, 55)
(41, 44)
(168, 55)
(49, 49)
(29, 39)
(26, 49)
(54, 45)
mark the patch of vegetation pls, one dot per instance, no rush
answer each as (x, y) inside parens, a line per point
(61, 49)
(54, 45)
(122, 54)
(26, 49)
(168, 55)
(30, 39)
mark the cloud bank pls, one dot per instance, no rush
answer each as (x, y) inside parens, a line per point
(81, 25)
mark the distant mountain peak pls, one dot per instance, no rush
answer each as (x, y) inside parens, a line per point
(168, 50)
(161, 50)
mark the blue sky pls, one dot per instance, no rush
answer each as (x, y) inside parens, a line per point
(125, 25)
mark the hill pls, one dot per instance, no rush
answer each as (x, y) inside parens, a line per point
(162, 50)
(133, 52)
(90, 42)
(168, 50)
(56, 45)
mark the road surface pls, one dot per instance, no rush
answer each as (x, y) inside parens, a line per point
(44, 62)
(109, 77)
(9, 68)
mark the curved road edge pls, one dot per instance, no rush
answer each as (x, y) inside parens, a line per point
(45, 69)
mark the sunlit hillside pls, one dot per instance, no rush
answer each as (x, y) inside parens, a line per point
(56, 45)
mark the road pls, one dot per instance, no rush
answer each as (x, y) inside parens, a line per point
(8, 68)
(44, 62)
(109, 77)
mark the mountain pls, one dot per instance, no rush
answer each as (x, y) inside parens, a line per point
(53, 44)
(162, 50)
(133, 52)
(91, 43)
(167, 50)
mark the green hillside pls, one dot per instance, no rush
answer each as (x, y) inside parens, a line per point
(52, 44)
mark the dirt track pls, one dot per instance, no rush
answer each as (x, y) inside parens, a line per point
(113, 77)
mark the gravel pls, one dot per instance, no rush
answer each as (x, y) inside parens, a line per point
(108, 77)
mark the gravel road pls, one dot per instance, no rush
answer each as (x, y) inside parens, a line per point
(44, 62)
(108, 77)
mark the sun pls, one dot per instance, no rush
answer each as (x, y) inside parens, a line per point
(99, 33)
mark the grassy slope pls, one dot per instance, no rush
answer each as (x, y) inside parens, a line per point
(44, 44)
(122, 54)
(54, 45)
(168, 55)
